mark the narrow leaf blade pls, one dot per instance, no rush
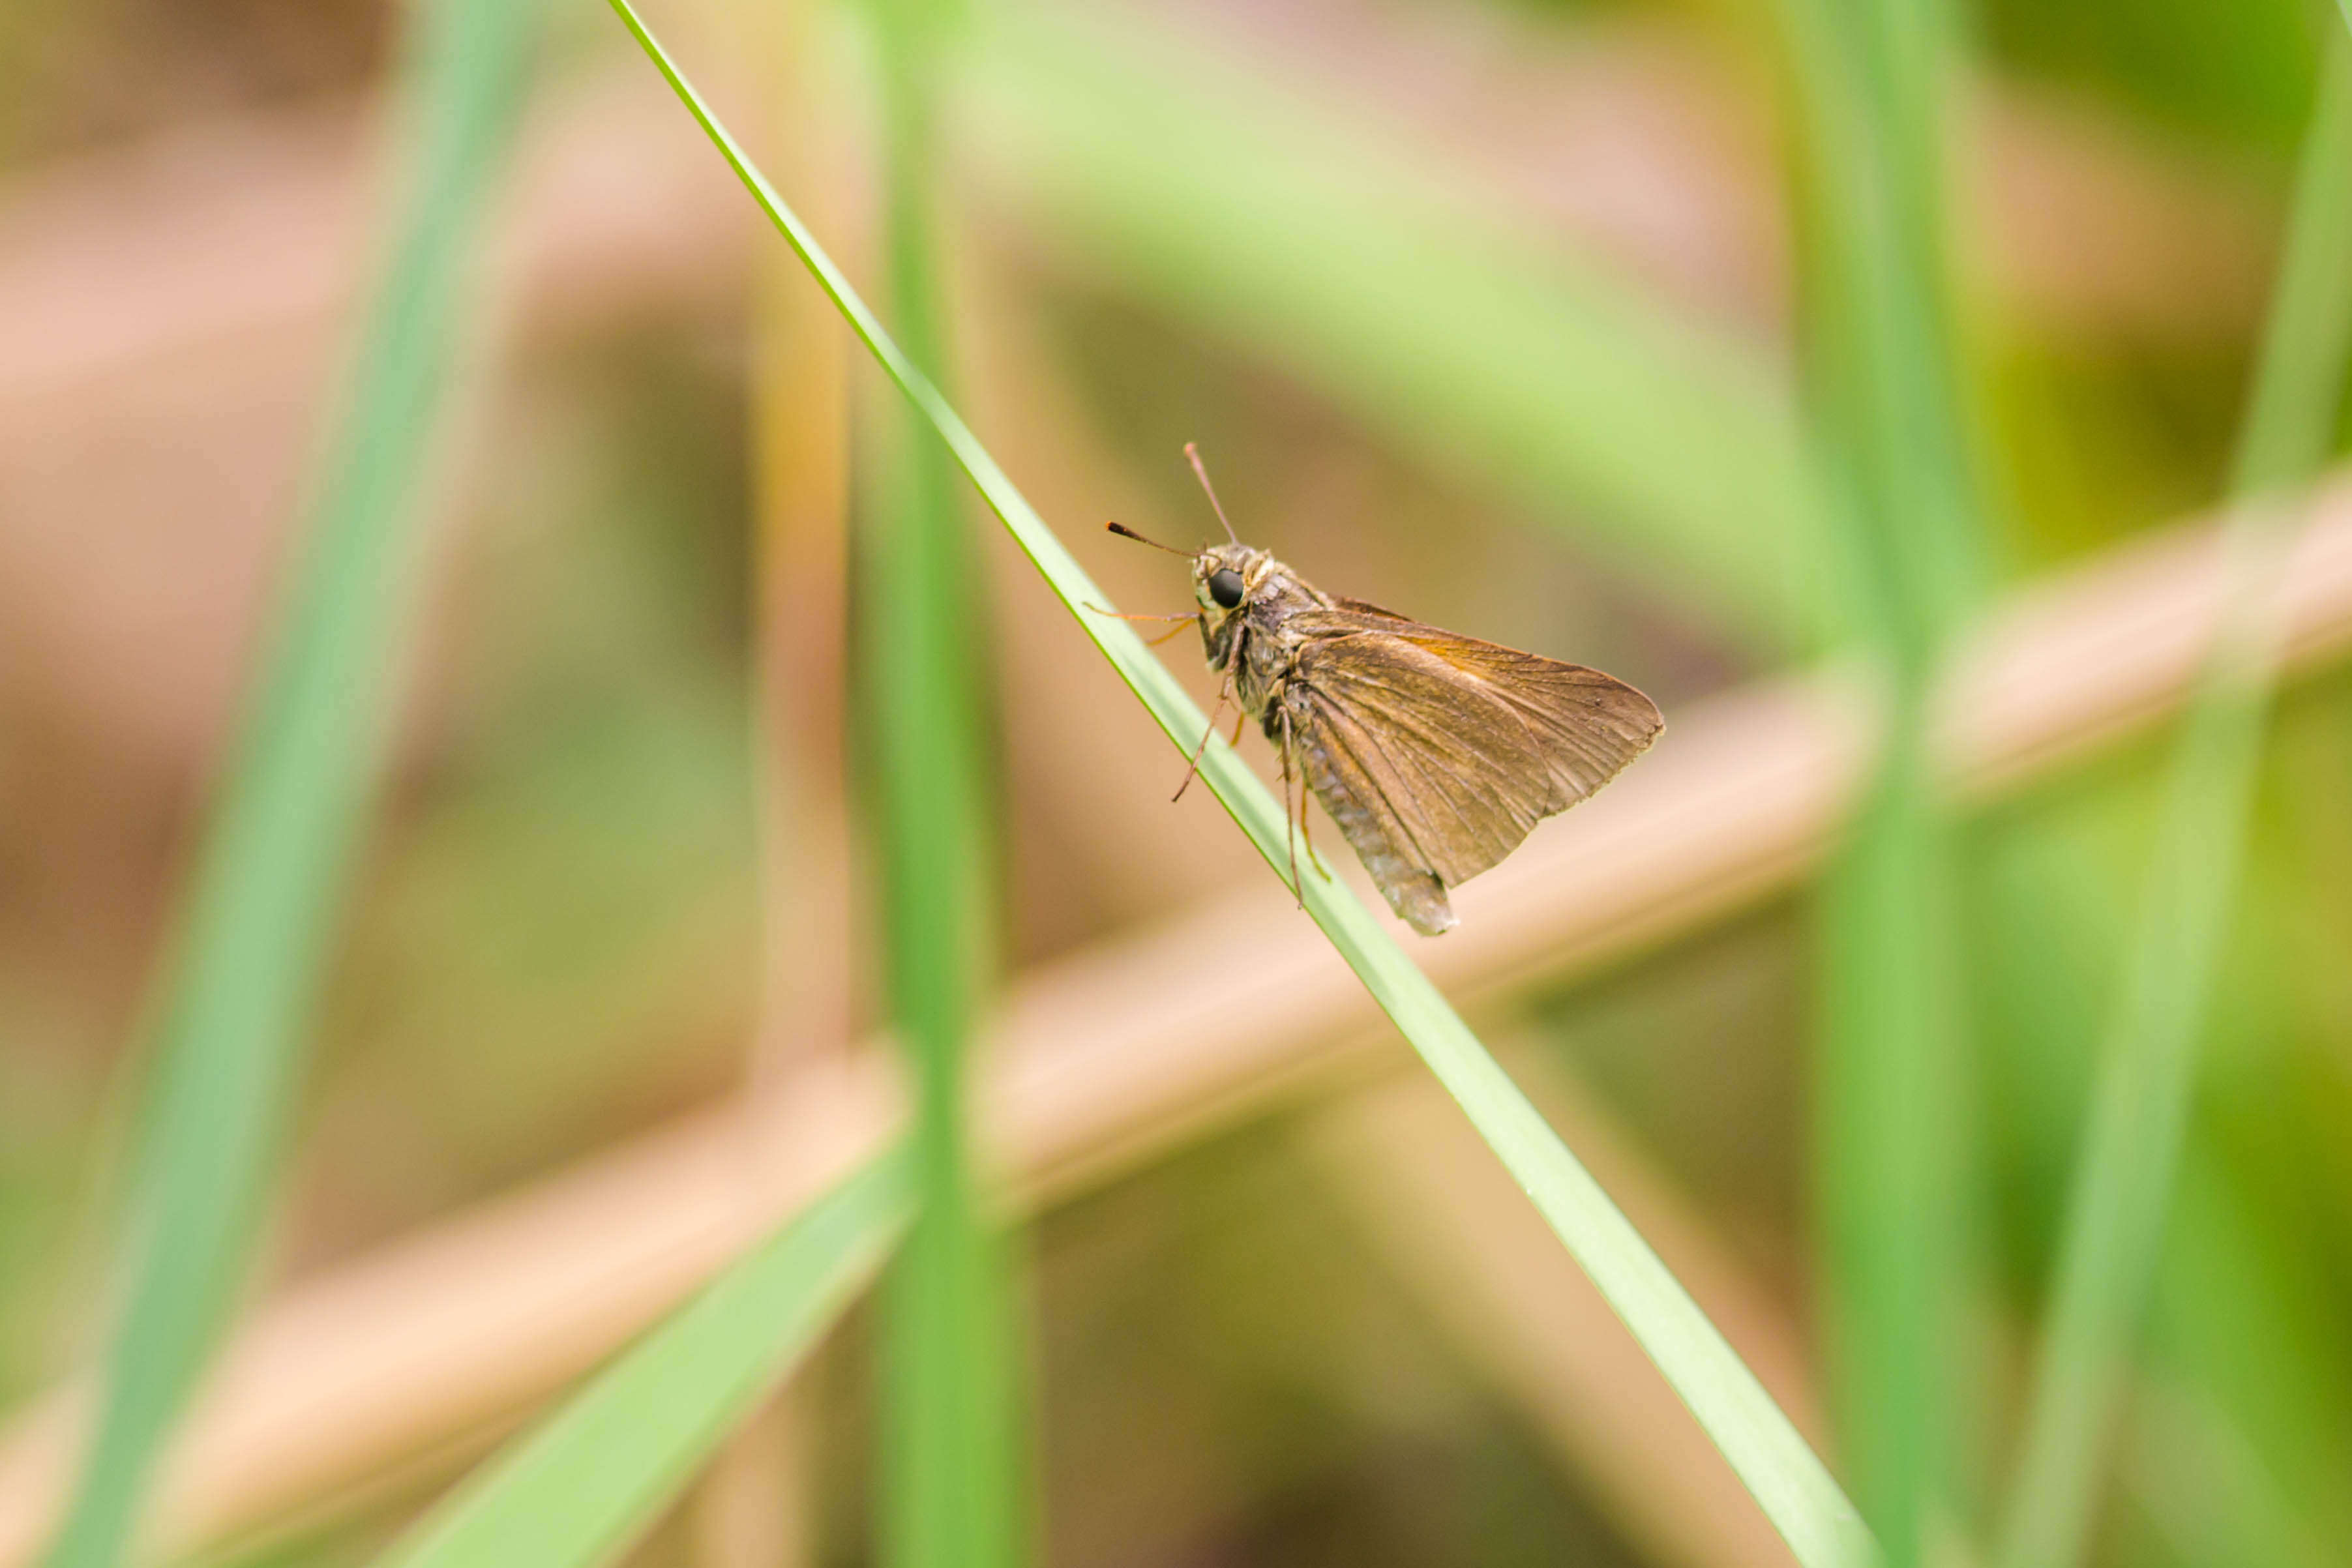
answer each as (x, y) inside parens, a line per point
(260, 910)
(583, 1487)
(1785, 1476)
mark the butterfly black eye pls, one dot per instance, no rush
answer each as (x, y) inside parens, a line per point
(1225, 587)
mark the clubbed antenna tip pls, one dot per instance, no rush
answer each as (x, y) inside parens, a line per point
(1123, 531)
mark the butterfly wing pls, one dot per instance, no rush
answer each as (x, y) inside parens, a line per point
(1585, 726)
(1436, 754)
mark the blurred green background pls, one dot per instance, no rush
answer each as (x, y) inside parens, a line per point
(1486, 311)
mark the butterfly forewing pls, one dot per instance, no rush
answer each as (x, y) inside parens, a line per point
(1436, 753)
(1586, 725)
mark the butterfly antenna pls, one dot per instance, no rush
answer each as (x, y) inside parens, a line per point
(1193, 455)
(1123, 531)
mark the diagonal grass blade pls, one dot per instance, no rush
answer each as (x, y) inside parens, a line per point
(583, 1486)
(1786, 1478)
(2123, 1184)
(261, 910)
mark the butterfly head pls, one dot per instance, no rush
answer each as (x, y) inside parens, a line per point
(1224, 576)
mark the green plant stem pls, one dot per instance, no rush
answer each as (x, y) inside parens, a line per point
(1885, 380)
(260, 911)
(952, 1469)
(1787, 1480)
(2122, 1180)
(1886, 1045)
(583, 1485)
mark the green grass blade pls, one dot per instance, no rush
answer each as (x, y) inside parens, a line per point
(1794, 1489)
(1885, 1056)
(2299, 380)
(953, 1462)
(2115, 1214)
(1672, 450)
(588, 1482)
(261, 909)
(1886, 380)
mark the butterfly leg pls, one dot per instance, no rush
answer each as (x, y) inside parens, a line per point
(1224, 689)
(1307, 832)
(1175, 631)
(1300, 825)
(1289, 817)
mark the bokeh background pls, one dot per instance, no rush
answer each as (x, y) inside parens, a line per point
(1487, 311)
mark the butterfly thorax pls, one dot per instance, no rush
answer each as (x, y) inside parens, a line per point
(1253, 642)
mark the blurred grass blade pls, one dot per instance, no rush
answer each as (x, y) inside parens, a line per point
(2122, 1180)
(1884, 367)
(2291, 411)
(1885, 1057)
(259, 913)
(1787, 1480)
(952, 1463)
(1355, 261)
(580, 1489)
